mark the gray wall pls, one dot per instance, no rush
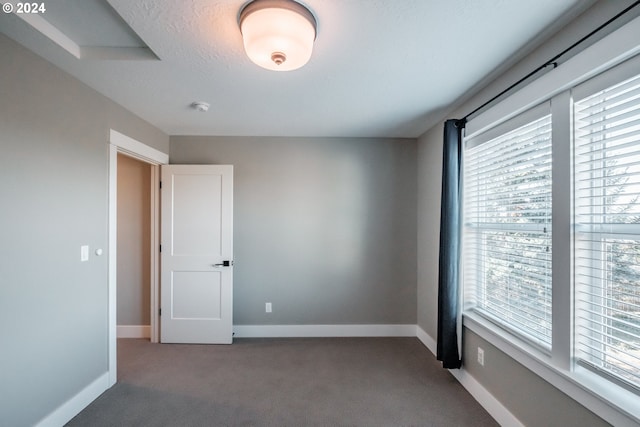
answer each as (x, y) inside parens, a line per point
(529, 397)
(429, 158)
(542, 404)
(325, 229)
(54, 134)
(134, 234)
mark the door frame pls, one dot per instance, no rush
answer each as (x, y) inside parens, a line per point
(120, 143)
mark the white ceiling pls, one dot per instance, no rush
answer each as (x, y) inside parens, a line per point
(380, 68)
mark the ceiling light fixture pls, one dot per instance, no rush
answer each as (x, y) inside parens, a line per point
(278, 34)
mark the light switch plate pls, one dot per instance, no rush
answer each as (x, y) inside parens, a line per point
(84, 253)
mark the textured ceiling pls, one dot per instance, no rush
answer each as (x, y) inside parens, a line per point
(380, 68)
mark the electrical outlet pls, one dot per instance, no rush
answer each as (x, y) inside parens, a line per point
(480, 356)
(267, 307)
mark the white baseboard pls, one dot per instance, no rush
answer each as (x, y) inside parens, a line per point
(134, 331)
(77, 403)
(426, 339)
(299, 331)
(492, 405)
(498, 411)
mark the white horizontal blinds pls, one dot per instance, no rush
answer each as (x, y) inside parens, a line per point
(507, 236)
(607, 223)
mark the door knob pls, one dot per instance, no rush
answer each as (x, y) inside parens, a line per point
(223, 264)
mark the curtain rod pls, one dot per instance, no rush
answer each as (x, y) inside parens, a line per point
(552, 61)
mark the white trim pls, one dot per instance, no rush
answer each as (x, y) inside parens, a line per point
(613, 49)
(134, 331)
(308, 331)
(120, 143)
(113, 263)
(535, 113)
(51, 32)
(155, 258)
(612, 77)
(426, 339)
(137, 149)
(561, 236)
(492, 405)
(72, 407)
(573, 384)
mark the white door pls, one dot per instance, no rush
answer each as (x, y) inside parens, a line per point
(197, 254)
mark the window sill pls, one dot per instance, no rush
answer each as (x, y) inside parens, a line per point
(612, 403)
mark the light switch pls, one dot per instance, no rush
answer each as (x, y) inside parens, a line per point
(84, 253)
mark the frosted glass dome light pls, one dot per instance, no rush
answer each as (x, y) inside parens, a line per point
(278, 34)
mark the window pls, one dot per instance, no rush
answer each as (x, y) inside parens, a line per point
(607, 231)
(551, 229)
(507, 205)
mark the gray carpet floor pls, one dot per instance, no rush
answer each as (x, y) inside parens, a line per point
(283, 382)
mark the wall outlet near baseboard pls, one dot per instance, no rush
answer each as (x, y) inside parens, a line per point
(480, 356)
(267, 307)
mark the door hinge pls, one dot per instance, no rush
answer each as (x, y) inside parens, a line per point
(161, 185)
(160, 248)
(159, 312)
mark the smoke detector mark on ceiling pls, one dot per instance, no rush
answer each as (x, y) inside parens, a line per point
(201, 106)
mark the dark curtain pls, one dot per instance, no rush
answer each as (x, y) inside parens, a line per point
(448, 274)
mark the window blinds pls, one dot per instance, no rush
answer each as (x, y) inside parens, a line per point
(607, 231)
(507, 226)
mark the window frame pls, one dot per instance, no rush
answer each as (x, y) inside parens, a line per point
(530, 116)
(614, 76)
(613, 403)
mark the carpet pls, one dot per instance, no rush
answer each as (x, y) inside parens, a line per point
(283, 382)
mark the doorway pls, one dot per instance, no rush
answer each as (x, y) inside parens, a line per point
(120, 143)
(134, 248)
